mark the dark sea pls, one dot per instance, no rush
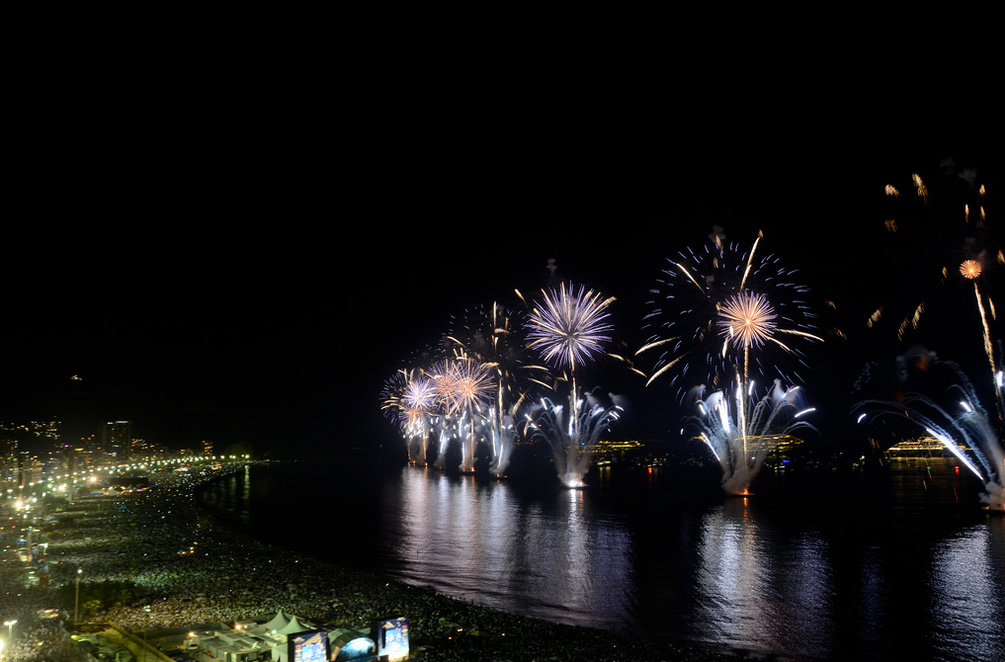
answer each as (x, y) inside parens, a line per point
(893, 561)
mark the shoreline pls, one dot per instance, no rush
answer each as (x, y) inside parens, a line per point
(195, 567)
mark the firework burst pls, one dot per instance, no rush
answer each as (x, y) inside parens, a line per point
(409, 399)
(747, 319)
(569, 326)
(722, 315)
(464, 387)
(460, 384)
(971, 269)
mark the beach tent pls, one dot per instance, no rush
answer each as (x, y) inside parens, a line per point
(293, 627)
(278, 621)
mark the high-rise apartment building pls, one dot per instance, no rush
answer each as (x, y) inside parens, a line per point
(116, 439)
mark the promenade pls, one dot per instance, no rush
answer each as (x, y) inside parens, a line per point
(191, 569)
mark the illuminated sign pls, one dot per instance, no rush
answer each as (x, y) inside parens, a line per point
(392, 637)
(308, 647)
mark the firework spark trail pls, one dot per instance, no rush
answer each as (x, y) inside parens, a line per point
(444, 430)
(503, 436)
(777, 414)
(750, 261)
(988, 347)
(572, 435)
(746, 319)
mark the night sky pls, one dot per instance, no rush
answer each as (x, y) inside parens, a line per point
(251, 273)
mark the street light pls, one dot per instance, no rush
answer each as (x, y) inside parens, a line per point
(147, 610)
(10, 629)
(76, 599)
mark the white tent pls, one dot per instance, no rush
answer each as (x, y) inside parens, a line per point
(293, 626)
(278, 621)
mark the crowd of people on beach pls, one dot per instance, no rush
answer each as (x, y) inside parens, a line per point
(193, 569)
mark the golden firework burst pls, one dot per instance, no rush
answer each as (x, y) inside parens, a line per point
(748, 318)
(970, 269)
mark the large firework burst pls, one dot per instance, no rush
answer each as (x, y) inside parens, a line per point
(722, 314)
(570, 325)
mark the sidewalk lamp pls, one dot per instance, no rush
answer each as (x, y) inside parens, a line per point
(10, 629)
(76, 599)
(147, 610)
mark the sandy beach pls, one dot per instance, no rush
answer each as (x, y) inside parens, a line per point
(191, 568)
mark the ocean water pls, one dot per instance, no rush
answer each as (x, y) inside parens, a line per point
(895, 561)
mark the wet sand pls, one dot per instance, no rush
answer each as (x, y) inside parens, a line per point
(194, 568)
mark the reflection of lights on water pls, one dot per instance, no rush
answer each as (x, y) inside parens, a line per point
(461, 537)
(963, 582)
(761, 601)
